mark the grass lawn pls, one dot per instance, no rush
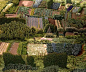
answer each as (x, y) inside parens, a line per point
(63, 40)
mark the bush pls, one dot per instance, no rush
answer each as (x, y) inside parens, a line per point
(71, 29)
(30, 61)
(40, 31)
(55, 59)
(13, 59)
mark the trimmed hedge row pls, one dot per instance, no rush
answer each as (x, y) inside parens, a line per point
(4, 20)
(55, 59)
(14, 59)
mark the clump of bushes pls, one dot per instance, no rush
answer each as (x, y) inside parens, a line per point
(30, 61)
(55, 59)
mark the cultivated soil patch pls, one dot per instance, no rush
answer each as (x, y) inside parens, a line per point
(3, 47)
(13, 49)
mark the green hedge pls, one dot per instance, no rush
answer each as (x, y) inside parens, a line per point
(55, 59)
(13, 59)
(4, 20)
(30, 61)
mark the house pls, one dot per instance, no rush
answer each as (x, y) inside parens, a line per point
(35, 22)
(55, 6)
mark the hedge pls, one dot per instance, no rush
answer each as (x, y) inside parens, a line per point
(55, 59)
(30, 61)
(4, 20)
(13, 59)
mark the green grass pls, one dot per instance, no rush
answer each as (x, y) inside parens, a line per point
(63, 40)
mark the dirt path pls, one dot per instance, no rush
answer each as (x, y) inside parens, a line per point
(13, 49)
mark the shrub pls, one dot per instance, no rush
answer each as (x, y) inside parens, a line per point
(40, 31)
(13, 59)
(55, 59)
(71, 29)
(30, 61)
(80, 9)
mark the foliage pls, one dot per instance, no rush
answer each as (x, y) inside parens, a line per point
(32, 11)
(75, 23)
(55, 59)
(9, 46)
(52, 68)
(4, 20)
(43, 4)
(81, 39)
(52, 27)
(30, 61)
(23, 10)
(80, 9)
(49, 3)
(16, 2)
(22, 49)
(49, 35)
(19, 67)
(13, 59)
(43, 12)
(70, 49)
(14, 30)
(60, 29)
(58, 17)
(63, 40)
(12, 10)
(71, 29)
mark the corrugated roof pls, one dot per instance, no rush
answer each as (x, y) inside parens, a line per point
(35, 22)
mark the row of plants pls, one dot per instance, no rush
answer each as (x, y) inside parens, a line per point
(70, 49)
(22, 49)
(23, 10)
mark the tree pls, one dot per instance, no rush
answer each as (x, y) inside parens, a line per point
(52, 27)
(14, 30)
